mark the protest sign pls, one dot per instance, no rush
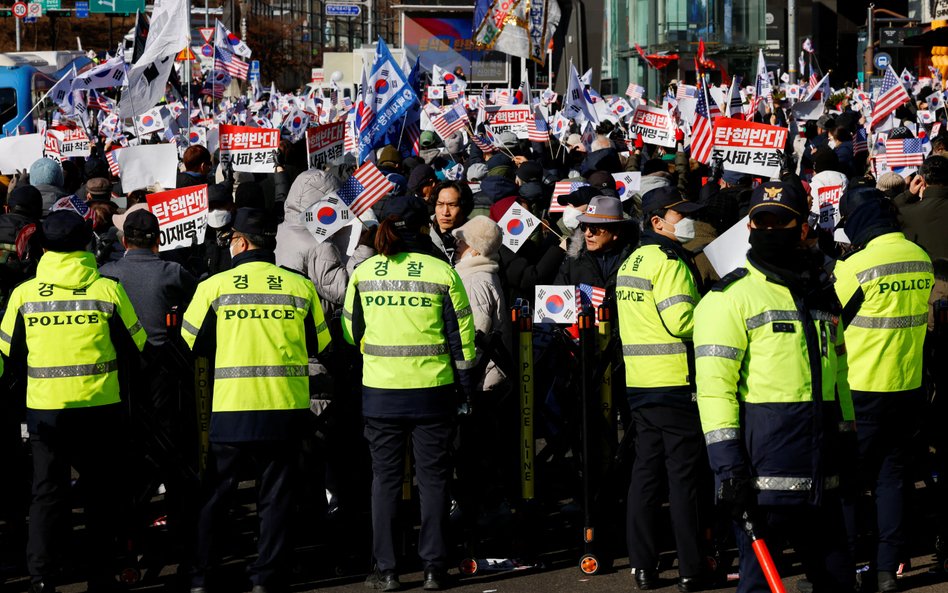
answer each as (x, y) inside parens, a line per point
(653, 125)
(252, 150)
(510, 118)
(748, 147)
(182, 216)
(324, 144)
(19, 152)
(728, 252)
(148, 164)
(70, 142)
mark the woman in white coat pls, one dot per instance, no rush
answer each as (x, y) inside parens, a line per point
(477, 263)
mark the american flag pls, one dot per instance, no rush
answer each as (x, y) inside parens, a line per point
(891, 97)
(685, 90)
(702, 136)
(563, 188)
(229, 63)
(861, 142)
(451, 121)
(538, 130)
(635, 91)
(112, 158)
(366, 187)
(481, 143)
(74, 203)
(453, 91)
(100, 102)
(588, 296)
(904, 152)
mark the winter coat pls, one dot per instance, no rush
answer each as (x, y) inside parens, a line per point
(322, 263)
(481, 278)
(924, 222)
(493, 188)
(51, 195)
(583, 267)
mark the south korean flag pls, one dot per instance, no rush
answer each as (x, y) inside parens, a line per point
(326, 217)
(517, 224)
(554, 304)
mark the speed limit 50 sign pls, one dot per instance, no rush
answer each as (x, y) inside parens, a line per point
(19, 10)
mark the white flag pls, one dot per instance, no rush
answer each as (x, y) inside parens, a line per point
(168, 33)
(62, 90)
(106, 75)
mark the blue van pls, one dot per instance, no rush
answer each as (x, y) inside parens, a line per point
(25, 77)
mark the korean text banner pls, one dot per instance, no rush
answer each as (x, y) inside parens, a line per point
(510, 118)
(70, 142)
(748, 147)
(249, 149)
(445, 39)
(324, 144)
(653, 125)
(182, 216)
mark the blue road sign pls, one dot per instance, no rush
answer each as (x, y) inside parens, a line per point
(82, 10)
(29, 20)
(882, 60)
(254, 73)
(343, 10)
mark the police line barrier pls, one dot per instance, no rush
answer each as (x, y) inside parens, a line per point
(523, 323)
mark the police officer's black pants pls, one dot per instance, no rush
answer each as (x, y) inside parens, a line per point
(430, 441)
(85, 439)
(885, 424)
(817, 536)
(274, 463)
(669, 449)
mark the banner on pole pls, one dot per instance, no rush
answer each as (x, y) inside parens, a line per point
(510, 118)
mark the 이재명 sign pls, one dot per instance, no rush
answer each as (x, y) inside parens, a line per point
(653, 125)
(748, 147)
(182, 216)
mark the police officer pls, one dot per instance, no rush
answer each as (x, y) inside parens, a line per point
(261, 323)
(884, 286)
(773, 398)
(409, 314)
(66, 330)
(656, 293)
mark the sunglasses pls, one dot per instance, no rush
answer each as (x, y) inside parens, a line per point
(594, 229)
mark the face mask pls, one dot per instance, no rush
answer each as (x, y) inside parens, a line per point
(571, 218)
(832, 143)
(777, 246)
(218, 218)
(684, 230)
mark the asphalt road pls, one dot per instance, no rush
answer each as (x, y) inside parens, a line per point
(561, 578)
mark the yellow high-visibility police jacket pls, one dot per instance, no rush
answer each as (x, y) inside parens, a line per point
(261, 323)
(410, 316)
(884, 288)
(70, 321)
(772, 390)
(656, 296)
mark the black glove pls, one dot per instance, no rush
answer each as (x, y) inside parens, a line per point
(787, 166)
(739, 494)
(717, 169)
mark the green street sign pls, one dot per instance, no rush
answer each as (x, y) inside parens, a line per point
(50, 5)
(111, 6)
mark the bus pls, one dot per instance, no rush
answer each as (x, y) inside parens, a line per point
(25, 78)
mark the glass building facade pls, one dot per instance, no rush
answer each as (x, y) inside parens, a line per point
(733, 31)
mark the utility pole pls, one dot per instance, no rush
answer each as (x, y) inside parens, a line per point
(870, 51)
(18, 33)
(792, 40)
